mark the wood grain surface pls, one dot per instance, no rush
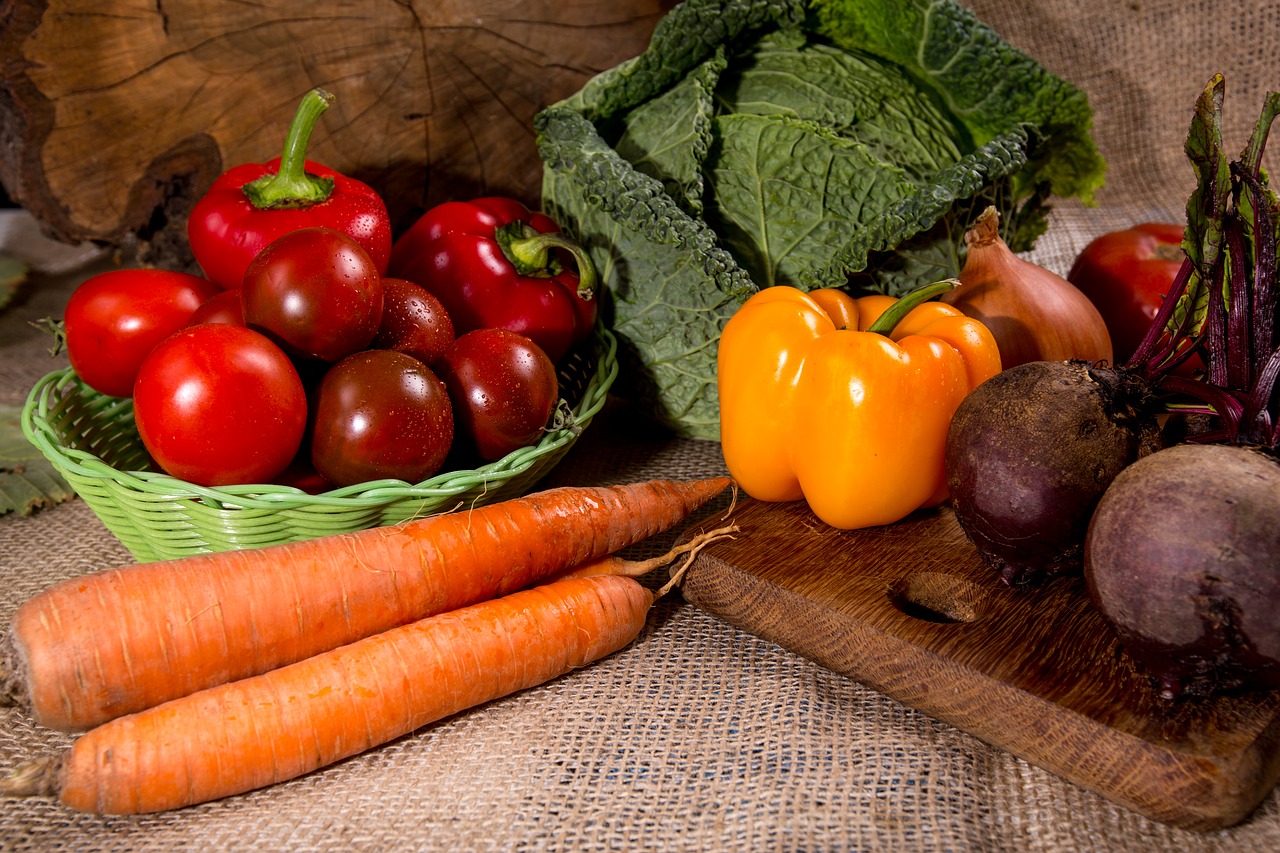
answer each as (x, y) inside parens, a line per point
(116, 115)
(911, 611)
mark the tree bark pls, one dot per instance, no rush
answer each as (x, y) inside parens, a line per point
(114, 121)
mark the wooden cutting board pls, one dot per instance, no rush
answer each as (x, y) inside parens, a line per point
(910, 611)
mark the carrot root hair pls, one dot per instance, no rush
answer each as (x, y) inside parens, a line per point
(615, 565)
(699, 542)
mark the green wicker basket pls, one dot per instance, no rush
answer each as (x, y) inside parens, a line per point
(92, 441)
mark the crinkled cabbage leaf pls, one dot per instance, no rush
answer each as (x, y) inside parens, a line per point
(814, 144)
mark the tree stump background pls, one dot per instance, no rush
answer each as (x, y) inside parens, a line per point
(113, 121)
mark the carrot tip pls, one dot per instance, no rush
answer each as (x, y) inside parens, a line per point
(35, 778)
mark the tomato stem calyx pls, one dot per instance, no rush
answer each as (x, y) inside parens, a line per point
(56, 329)
(564, 418)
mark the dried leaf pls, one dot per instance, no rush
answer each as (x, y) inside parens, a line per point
(28, 481)
(12, 274)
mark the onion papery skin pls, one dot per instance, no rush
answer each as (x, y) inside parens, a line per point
(1033, 313)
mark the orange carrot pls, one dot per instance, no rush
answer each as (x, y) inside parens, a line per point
(118, 641)
(279, 725)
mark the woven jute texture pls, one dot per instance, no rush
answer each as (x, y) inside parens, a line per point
(700, 736)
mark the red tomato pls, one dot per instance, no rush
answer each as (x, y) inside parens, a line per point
(1126, 275)
(224, 307)
(380, 414)
(413, 321)
(115, 318)
(218, 404)
(316, 291)
(504, 390)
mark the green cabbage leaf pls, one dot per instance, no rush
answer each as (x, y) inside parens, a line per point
(831, 143)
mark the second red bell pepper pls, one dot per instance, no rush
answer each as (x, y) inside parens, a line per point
(250, 205)
(495, 264)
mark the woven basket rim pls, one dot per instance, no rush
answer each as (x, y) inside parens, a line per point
(48, 389)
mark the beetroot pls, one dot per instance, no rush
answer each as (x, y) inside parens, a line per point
(1057, 465)
(1031, 451)
(1183, 555)
(1183, 558)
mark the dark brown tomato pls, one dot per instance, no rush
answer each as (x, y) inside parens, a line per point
(504, 390)
(414, 321)
(316, 292)
(380, 414)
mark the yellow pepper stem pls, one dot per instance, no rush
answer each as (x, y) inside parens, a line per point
(888, 321)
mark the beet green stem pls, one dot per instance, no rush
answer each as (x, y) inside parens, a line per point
(1215, 327)
(1260, 426)
(1224, 403)
(1147, 359)
(1262, 324)
(1239, 357)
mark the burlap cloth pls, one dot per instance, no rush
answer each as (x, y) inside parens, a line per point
(701, 736)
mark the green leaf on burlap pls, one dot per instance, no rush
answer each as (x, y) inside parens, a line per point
(27, 480)
(12, 274)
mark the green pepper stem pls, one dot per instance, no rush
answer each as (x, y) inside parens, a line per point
(529, 251)
(892, 316)
(291, 186)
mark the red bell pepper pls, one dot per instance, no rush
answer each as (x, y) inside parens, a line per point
(495, 264)
(250, 205)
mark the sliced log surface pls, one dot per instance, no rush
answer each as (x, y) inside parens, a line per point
(115, 116)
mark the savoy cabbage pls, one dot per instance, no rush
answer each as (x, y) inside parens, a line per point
(817, 144)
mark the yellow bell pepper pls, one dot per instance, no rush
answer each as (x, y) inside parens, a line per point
(817, 403)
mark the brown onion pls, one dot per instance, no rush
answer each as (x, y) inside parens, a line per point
(1033, 313)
